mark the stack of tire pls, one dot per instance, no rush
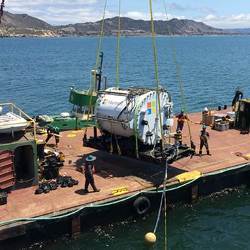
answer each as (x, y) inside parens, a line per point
(50, 167)
(66, 181)
(61, 181)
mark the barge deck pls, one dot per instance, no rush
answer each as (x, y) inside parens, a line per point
(119, 177)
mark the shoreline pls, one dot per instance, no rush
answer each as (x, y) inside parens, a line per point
(114, 36)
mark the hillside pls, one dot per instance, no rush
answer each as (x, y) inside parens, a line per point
(25, 25)
(136, 27)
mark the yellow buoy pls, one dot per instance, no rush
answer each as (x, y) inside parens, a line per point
(150, 238)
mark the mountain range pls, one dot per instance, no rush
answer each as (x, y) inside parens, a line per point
(25, 25)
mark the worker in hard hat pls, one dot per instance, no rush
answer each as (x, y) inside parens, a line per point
(53, 131)
(204, 135)
(88, 171)
(181, 118)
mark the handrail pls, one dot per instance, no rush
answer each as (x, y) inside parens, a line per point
(12, 107)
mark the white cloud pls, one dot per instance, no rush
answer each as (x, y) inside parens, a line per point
(233, 21)
(14, 3)
(146, 16)
(210, 17)
(65, 11)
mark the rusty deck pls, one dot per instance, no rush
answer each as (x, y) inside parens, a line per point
(114, 172)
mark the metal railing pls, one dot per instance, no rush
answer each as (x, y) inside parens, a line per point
(11, 107)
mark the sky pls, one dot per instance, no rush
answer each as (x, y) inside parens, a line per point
(217, 13)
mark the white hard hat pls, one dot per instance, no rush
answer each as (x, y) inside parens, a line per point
(205, 109)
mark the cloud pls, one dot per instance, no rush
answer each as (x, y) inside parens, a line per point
(241, 20)
(64, 12)
(145, 16)
(175, 6)
(34, 3)
(58, 11)
(187, 8)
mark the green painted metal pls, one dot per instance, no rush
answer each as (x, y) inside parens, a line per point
(82, 98)
(71, 123)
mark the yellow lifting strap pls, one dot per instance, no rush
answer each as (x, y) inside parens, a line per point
(158, 114)
(93, 79)
(180, 82)
(118, 48)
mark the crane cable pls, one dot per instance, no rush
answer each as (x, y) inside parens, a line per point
(1, 10)
(93, 79)
(118, 48)
(156, 69)
(180, 81)
(135, 124)
(101, 35)
(163, 199)
(118, 65)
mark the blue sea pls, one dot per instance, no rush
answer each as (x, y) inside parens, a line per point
(37, 74)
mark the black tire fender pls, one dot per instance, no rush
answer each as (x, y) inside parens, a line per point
(142, 204)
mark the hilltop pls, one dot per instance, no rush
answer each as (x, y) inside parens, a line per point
(25, 25)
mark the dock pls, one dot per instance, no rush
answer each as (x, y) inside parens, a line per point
(120, 177)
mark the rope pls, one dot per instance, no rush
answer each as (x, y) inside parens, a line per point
(111, 137)
(156, 69)
(1, 10)
(163, 201)
(135, 123)
(180, 81)
(101, 36)
(93, 79)
(165, 206)
(118, 48)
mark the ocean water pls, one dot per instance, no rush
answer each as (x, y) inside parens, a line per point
(37, 74)
(218, 222)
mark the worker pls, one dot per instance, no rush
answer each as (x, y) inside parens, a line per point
(237, 96)
(53, 131)
(181, 118)
(88, 171)
(204, 135)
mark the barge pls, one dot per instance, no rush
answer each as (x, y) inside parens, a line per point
(123, 181)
